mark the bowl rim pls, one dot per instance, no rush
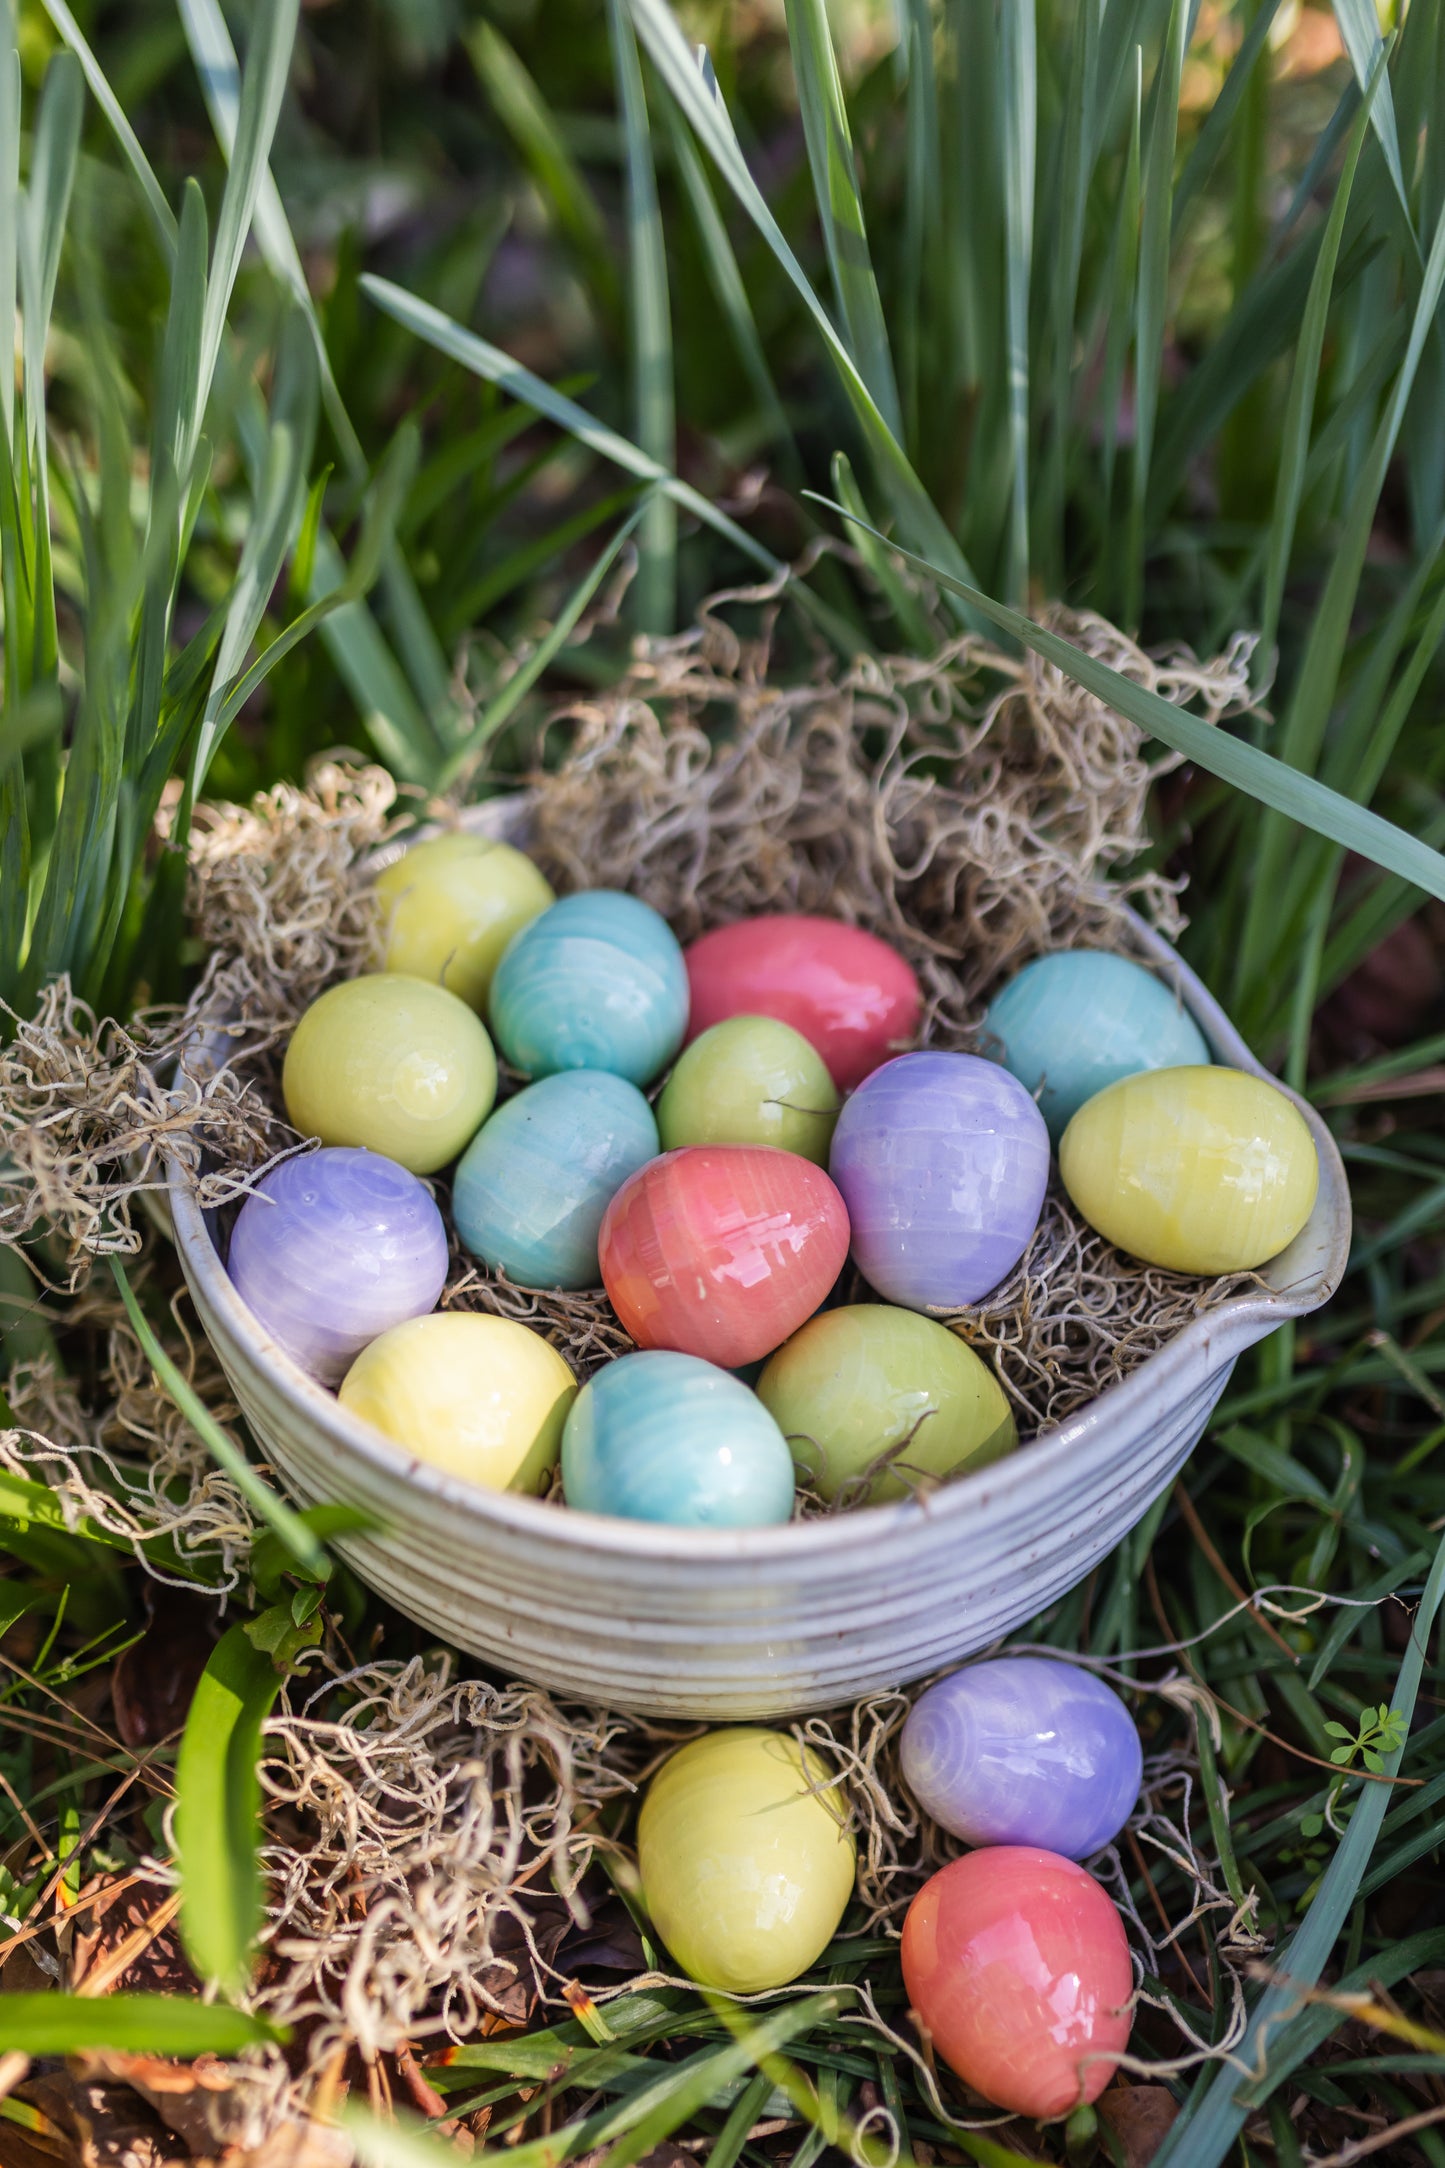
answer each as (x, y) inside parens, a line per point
(1203, 1346)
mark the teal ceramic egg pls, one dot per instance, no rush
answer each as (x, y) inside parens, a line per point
(534, 1182)
(662, 1437)
(1072, 1023)
(597, 982)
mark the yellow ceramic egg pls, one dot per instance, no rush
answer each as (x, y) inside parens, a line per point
(481, 1397)
(746, 1870)
(394, 1064)
(450, 906)
(1198, 1169)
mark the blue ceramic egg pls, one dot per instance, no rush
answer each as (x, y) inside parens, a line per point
(597, 982)
(663, 1437)
(535, 1180)
(332, 1249)
(1072, 1023)
(1024, 1750)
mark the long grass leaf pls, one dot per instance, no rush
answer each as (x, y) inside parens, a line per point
(1304, 380)
(161, 215)
(1219, 120)
(1299, 797)
(1153, 299)
(650, 327)
(840, 206)
(1018, 64)
(9, 213)
(1360, 32)
(51, 2024)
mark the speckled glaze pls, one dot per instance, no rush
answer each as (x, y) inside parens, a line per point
(1016, 1962)
(1069, 1024)
(943, 1160)
(663, 1437)
(1024, 1750)
(750, 1080)
(597, 982)
(1200, 1170)
(482, 1398)
(332, 1248)
(868, 1380)
(451, 905)
(746, 1872)
(393, 1064)
(534, 1182)
(849, 994)
(722, 1250)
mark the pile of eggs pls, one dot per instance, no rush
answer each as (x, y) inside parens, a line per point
(789, 1134)
(1015, 1960)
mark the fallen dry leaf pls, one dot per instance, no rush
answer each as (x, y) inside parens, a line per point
(1140, 2116)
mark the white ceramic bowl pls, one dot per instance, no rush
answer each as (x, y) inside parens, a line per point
(767, 1622)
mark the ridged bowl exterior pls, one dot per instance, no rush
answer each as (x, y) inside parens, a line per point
(764, 1622)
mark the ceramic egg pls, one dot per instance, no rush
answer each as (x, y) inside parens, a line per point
(1015, 1962)
(750, 1080)
(848, 993)
(1199, 1170)
(662, 1437)
(333, 1247)
(869, 1387)
(450, 906)
(943, 1160)
(722, 1250)
(597, 982)
(1024, 1750)
(393, 1064)
(478, 1397)
(746, 1863)
(533, 1184)
(1071, 1023)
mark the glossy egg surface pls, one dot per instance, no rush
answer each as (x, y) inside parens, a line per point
(848, 993)
(943, 1160)
(393, 1064)
(1016, 1962)
(866, 1381)
(597, 982)
(745, 1870)
(332, 1248)
(480, 1397)
(534, 1182)
(450, 906)
(1199, 1170)
(722, 1250)
(663, 1437)
(1069, 1024)
(1024, 1750)
(750, 1080)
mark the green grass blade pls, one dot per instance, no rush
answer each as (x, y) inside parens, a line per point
(162, 217)
(9, 214)
(908, 610)
(1153, 297)
(52, 168)
(840, 207)
(1304, 381)
(218, 1810)
(1070, 207)
(544, 150)
(923, 203)
(650, 325)
(1219, 121)
(51, 2024)
(1122, 284)
(1018, 59)
(1300, 797)
(1360, 31)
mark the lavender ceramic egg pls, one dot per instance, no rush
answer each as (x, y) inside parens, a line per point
(1024, 1750)
(334, 1248)
(942, 1160)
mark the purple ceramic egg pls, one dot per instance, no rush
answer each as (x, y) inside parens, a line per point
(333, 1249)
(943, 1160)
(1024, 1750)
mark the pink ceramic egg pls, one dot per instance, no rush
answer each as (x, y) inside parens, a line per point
(722, 1250)
(1015, 1961)
(849, 994)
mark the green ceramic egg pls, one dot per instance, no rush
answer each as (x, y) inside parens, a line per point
(393, 1064)
(860, 1380)
(750, 1080)
(746, 1862)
